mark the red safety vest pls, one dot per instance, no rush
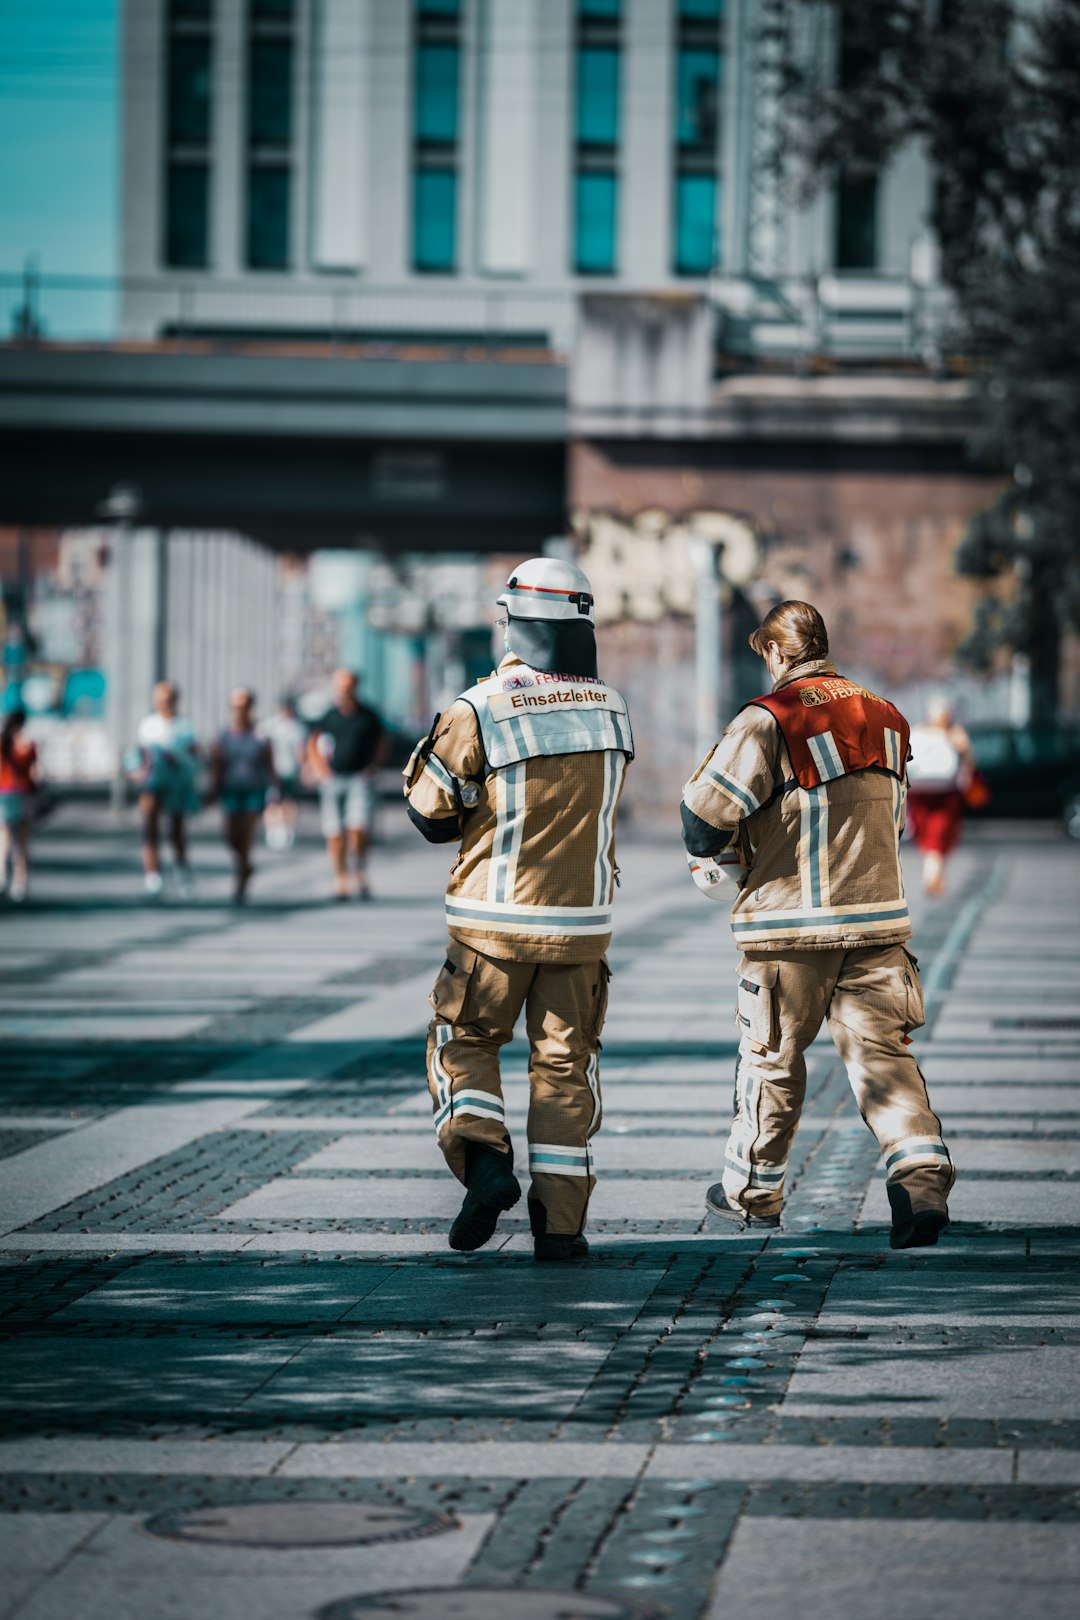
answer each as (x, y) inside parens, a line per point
(833, 727)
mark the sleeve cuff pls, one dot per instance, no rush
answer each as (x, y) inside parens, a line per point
(700, 837)
(437, 830)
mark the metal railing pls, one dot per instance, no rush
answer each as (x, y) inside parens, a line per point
(792, 320)
(36, 308)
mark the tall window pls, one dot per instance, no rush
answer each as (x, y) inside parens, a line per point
(856, 201)
(857, 224)
(269, 132)
(187, 135)
(596, 178)
(698, 62)
(435, 135)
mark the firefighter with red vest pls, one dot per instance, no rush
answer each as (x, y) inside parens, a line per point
(795, 818)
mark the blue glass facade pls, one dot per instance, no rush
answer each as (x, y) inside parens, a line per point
(598, 96)
(434, 219)
(596, 133)
(271, 63)
(697, 86)
(695, 223)
(696, 137)
(270, 94)
(595, 199)
(268, 217)
(189, 92)
(188, 84)
(436, 132)
(187, 213)
(437, 93)
(856, 224)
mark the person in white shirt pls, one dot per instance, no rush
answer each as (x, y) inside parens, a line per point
(166, 770)
(940, 773)
(287, 736)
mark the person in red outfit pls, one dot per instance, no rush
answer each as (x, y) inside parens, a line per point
(18, 783)
(939, 774)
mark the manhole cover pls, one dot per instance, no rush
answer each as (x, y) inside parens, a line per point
(300, 1524)
(489, 1603)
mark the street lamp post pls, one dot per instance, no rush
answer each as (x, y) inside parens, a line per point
(708, 641)
(120, 508)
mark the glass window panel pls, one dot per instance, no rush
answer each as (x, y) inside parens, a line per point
(698, 76)
(270, 95)
(434, 219)
(189, 92)
(268, 217)
(599, 8)
(598, 96)
(701, 8)
(595, 206)
(856, 225)
(437, 93)
(695, 223)
(187, 190)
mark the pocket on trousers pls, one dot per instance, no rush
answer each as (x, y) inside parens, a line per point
(756, 1014)
(600, 998)
(448, 992)
(915, 1001)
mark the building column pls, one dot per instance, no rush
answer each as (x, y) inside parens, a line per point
(507, 90)
(340, 136)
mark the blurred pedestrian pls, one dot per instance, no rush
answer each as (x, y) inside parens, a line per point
(18, 785)
(287, 736)
(940, 773)
(796, 816)
(525, 770)
(242, 766)
(166, 770)
(344, 748)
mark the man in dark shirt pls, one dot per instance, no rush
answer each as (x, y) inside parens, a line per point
(344, 748)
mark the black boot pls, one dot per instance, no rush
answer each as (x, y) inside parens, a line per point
(491, 1187)
(913, 1228)
(554, 1245)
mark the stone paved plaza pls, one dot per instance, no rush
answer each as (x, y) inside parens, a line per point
(243, 1375)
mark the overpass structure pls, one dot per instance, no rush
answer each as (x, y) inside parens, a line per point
(297, 446)
(422, 448)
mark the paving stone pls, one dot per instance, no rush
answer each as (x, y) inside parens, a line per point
(229, 1292)
(130, 1575)
(624, 1427)
(921, 1465)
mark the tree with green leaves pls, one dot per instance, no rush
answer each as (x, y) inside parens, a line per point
(991, 90)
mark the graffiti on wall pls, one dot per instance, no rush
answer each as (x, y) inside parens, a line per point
(645, 567)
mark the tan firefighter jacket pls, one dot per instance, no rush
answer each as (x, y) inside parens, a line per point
(526, 769)
(823, 862)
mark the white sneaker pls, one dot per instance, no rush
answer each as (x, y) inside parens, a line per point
(153, 883)
(17, 891)
(185, 882)
(277, 839)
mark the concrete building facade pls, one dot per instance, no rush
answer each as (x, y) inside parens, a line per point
(471, 166)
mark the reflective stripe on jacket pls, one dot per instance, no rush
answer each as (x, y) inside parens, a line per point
(534, 878)
(823, 859)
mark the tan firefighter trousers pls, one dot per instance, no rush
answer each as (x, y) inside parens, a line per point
(477, 1001)
(872, 998)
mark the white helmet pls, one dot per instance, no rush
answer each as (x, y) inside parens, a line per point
(547, 588)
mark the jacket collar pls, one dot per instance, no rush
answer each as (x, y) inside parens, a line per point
(802, 672)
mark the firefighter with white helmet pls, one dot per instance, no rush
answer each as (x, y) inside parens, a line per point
(524, 771)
